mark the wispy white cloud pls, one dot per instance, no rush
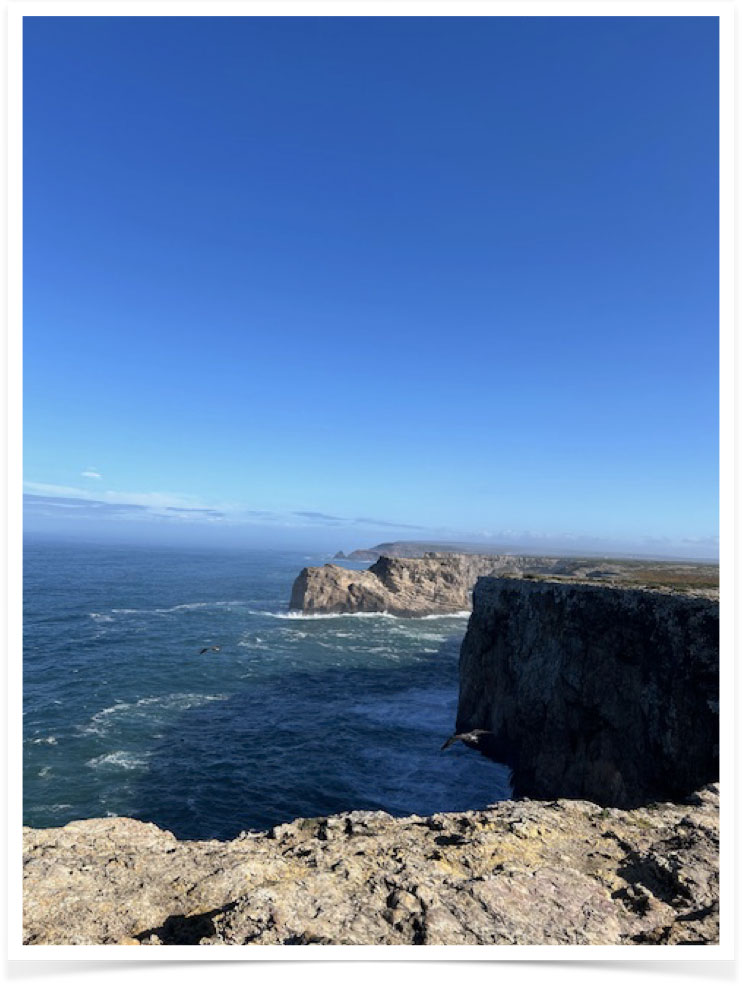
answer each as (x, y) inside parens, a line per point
(54, 490)
(153, 499)
(91, 472)
(159, 503)
(178, 508)
(156, 500)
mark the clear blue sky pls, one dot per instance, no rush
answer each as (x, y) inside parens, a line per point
(284, 276)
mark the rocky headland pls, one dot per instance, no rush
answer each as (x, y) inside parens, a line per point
(442, 582)
(436, 583)
(604, 694)
(408, 550)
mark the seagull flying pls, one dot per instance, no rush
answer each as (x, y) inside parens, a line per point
(471, 737)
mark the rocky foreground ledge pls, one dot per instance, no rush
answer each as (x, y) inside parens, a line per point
(520, 872)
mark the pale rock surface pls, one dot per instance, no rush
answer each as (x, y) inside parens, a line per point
(442, 582)
(437, 583)
(521, 872)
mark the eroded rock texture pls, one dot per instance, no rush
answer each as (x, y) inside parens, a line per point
(516, 873)
(594, 692)
(438, 583)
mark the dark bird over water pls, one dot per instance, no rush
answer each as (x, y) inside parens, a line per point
(211, 648)
(472, 737)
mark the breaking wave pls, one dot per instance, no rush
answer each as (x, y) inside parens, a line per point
(365, 615)
(100, 721)
(127, 760)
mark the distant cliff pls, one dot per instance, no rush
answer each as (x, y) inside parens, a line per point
(407, 550)
(437, 583)
(441, 582)
(595, 692)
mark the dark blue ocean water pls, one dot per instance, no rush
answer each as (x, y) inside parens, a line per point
(294, 717)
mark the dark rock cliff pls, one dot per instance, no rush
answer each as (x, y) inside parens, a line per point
(594, 692)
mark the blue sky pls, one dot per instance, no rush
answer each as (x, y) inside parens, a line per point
(335, 280)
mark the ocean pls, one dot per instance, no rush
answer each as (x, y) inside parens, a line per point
(294, 716)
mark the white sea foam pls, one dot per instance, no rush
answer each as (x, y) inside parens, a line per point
(100, 721)
(107, 711)
(198, 605)
(416, 635)
(442, 617)
(50, 740)
(194, 606)
(300, 616)
(101, 618)
(44, 771)
(127, 760)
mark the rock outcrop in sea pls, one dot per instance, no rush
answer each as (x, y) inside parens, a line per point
(437, 583)
(442, 582)
(519, 872)
(594, 692)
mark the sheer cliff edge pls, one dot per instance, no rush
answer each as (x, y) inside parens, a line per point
(594, 692)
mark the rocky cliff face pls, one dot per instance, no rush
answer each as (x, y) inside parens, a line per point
(595, 692)
(590, 691)
(438, 583)
(516, 873)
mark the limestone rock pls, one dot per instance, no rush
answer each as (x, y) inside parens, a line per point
(594, 692)
(517, 873)
(437, 583)
(441, 582)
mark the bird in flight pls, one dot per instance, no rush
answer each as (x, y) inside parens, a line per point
(211, 648)
(470, 737)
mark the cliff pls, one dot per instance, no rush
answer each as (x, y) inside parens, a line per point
(591, 691)
(440, 583)
(594, 692)
(437, 583)
(407, 550)
(515, 873)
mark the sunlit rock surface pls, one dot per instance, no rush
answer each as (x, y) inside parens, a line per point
(521, 872)
(437, 583)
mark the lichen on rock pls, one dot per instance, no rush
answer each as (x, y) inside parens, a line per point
(518, 872)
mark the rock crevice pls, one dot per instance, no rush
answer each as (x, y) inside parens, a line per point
(564, 872)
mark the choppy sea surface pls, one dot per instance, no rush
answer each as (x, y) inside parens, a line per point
(295, 716)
